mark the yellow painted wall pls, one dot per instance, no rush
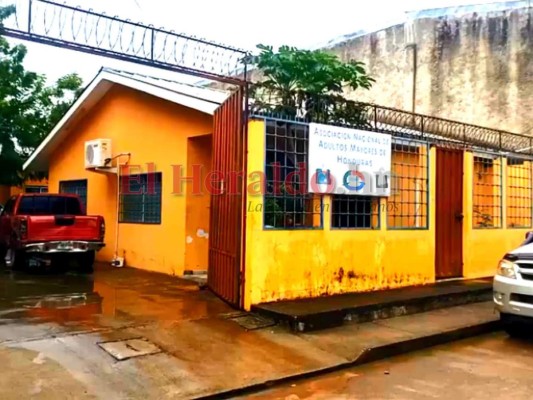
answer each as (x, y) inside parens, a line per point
(152, 130)
(484, 247)
(198, 204)
(289, 264)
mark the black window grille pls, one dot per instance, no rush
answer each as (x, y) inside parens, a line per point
(140, 198)
(287, 203)
(487, 192)
(355, 212)
(78, 187)
(407, 205)
(518, 193)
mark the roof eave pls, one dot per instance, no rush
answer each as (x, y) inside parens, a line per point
(39, 159)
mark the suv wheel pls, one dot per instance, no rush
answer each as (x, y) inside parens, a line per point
(513, 328)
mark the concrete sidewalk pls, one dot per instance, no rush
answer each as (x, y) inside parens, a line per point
(311, 354)
(216, 358)
(127, 334)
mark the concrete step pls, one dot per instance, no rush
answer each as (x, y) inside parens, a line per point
(326, 312)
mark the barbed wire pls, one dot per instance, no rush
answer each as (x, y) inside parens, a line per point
(75, 28)
(338, 110)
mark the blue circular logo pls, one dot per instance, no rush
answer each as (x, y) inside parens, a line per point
(354, 180)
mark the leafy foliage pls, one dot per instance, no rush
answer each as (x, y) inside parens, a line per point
(28, 107)
(309, 84)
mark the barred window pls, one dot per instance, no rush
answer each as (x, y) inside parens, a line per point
(355, 212)
(77, 187)
(487, 192)
(140, 198)
(36, 189)
(407, 206)
(519, 205)
(287, 203)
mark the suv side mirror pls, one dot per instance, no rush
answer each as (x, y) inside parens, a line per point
(528, 238)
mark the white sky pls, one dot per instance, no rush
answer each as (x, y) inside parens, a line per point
(238, 23)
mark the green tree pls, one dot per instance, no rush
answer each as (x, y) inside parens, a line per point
(309, 80)
(28, 107)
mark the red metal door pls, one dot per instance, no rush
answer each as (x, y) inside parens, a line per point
(226, 233)
(449, 214)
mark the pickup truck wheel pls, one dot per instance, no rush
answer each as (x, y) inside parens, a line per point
(18, 260)
(86, 262)
(3, 252)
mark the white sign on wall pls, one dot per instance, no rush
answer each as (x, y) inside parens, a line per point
(349, 161)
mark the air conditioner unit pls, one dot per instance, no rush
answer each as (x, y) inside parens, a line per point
(97, 152)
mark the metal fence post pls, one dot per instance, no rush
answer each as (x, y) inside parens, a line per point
(30, 5)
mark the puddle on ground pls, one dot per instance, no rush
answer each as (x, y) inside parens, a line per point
(107, 298)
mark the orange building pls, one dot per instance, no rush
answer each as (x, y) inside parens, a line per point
(451, 214)
(158, 130)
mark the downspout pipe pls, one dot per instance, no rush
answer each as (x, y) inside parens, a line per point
(414, 48)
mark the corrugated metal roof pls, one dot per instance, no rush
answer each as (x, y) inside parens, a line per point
(204, 93)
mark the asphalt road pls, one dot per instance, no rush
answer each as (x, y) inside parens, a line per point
(488, 367)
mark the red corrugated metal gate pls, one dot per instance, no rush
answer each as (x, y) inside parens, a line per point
(449, 214)
(226, 234)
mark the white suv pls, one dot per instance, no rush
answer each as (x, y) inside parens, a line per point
(513, 288)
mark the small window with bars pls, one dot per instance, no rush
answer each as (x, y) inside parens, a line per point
(518, 193)
(355, 212)
(140, 198)
(487, 192)
(407, 205)
(36, 189)
(287, 203)
(77, 187)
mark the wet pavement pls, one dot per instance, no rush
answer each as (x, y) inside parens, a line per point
(492, 366)
(54, 329)
(63, 335)
(129, 334)
(35, 304)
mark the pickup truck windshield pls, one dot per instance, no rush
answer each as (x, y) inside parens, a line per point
(49, 205)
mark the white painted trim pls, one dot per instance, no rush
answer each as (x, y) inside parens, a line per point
(201, 99)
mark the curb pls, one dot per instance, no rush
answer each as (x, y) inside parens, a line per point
(367, 356)
(374, 312)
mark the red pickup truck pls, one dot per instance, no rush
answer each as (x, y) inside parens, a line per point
(41, 228)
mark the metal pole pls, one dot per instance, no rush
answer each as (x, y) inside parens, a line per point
(152, 45)
(415, 70)
(30, 5)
